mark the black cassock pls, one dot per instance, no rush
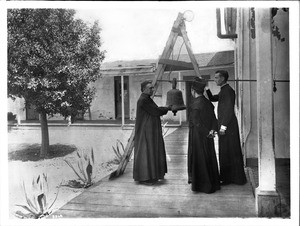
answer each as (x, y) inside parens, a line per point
(149, 148)
(202, 161)
(230, 152)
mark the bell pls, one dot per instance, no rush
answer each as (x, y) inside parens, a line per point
(174, 98)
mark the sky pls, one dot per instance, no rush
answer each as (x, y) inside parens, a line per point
(134, 31)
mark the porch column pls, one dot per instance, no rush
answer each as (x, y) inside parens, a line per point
(122, 100)
(180, 88)
(19, 118)
(267, 198)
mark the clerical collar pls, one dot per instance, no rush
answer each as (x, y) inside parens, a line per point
(224, 84)
(200, 95)
(145, 95)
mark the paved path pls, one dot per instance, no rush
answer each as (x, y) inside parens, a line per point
(122, 197)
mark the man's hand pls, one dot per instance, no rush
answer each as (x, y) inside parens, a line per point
(222, 130)
(206, 84)
(211, 134)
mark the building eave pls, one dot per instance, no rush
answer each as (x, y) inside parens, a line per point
(150, 70)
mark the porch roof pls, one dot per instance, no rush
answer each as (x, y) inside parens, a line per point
(203, 60)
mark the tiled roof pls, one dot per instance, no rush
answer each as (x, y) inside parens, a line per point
(203, 60)
(222, 58)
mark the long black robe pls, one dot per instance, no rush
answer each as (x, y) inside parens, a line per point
(202, 161)
(230, 152)
(149, 148)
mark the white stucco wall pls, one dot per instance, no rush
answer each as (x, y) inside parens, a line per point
(103, 104)
(247, 70)
(281, 96)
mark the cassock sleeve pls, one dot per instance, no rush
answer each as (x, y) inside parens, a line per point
(211, 97)
(149, 106)
(228, 103)
(214, 119)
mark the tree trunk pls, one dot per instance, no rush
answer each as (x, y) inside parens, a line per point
(45, 135)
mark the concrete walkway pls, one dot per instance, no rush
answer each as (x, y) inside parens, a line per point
(122, 197)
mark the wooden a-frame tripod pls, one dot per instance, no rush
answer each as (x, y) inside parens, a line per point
(178, 29)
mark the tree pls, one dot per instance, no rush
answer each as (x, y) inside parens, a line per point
(53, 58)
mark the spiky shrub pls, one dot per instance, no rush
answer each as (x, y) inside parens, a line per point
(118, 154)
(38, 201)
(83, 168)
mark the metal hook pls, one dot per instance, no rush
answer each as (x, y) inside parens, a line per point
(274, 86)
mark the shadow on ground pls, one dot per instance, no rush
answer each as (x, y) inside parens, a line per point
(31, 152)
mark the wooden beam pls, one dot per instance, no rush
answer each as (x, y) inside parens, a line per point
(167, 50)
(126, 156)
(189, 49)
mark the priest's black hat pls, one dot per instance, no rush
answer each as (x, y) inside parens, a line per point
(198, 84)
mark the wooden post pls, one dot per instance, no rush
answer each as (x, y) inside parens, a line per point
(122, 100)
(167, 50)
(189, 49)
(179, 87)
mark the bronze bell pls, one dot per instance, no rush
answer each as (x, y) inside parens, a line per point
(175, 99)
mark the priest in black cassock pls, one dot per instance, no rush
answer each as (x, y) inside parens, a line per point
(203, 171)
(230, 152)
(150, 163)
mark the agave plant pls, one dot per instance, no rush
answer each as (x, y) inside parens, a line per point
(117, 151)
(83, 168)
(37, 199)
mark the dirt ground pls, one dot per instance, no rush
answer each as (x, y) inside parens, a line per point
(58, 172)
(20, 169)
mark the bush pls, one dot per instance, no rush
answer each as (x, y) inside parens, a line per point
(11, 116)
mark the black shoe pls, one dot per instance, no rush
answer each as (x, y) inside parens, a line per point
(222, 183)
(149, 182)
